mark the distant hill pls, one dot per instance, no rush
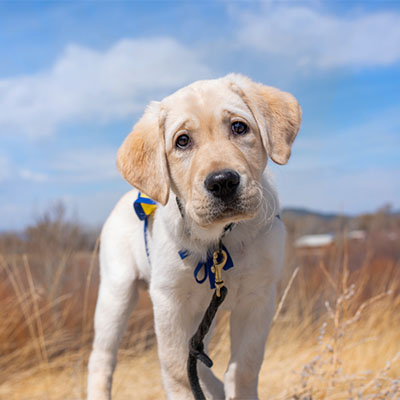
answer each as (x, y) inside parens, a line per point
(302, 221)
(292, 212)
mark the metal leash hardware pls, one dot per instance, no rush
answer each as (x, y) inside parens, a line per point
(217, 269)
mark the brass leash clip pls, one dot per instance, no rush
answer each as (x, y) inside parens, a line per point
(217, 269)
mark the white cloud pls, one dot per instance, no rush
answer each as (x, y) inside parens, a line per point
(88, 84)
(313, 38)
(32, 176)
(98, 164)
(10, 172)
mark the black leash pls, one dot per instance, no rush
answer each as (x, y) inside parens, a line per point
(196, 346)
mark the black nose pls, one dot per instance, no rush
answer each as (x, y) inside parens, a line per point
(223, 184)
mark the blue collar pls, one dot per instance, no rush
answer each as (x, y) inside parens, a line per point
(207, 266)
(144, 207)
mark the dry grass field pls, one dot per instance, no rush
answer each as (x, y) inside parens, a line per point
(335, 335)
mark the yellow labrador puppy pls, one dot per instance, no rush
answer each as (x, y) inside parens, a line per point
(201, 155)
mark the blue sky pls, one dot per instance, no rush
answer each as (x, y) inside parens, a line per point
(75, 76)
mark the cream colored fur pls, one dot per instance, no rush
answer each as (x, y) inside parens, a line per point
(151, 162)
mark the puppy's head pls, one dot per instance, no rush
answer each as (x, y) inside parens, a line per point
(209, 142)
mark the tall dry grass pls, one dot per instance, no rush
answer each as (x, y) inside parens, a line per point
(335, 335)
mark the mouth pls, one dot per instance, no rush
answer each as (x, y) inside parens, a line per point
(221, 213)
(206, 209)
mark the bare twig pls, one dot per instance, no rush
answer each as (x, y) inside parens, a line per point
(285, 293)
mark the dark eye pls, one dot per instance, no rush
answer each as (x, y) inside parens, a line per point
(239, 128)
(182, 141)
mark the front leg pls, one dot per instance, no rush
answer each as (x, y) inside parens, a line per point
(250, 322)
(177, 315)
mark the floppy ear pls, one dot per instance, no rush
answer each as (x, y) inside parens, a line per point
(141, 158)
(277, 113)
